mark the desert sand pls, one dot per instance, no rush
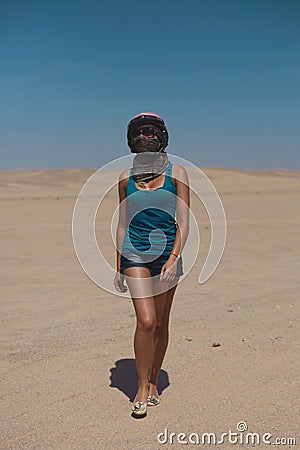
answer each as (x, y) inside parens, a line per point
(67, 361)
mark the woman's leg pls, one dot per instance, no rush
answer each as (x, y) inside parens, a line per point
(145, 325)
(163, 303)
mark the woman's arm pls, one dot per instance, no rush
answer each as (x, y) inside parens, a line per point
(181, 181)
(122, 223)
(182, 207)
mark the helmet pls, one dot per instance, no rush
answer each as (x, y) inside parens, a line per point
(148, 118)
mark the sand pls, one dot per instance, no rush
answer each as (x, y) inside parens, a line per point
(67, 361)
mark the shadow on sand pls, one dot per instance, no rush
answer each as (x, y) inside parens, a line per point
(124, 377)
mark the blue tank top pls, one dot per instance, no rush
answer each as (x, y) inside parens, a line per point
(151, 214)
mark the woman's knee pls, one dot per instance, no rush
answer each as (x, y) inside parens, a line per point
(161, 326)
(147, 324)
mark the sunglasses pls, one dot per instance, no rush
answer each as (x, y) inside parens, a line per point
(145, 131)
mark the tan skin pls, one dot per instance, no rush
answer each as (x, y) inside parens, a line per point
(152, 312)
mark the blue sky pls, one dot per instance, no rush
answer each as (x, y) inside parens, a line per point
(224, 74)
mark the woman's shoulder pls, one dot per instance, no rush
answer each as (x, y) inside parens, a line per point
(123, 180)
(124, 175)
(179, 173)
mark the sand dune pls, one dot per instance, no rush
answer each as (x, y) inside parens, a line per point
(67, 361)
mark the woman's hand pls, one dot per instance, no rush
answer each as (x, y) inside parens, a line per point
(169, 269)
(119, 282)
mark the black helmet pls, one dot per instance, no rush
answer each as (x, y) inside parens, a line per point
(147, 118)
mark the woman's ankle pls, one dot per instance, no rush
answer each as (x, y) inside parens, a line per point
(143, 385)
(153, 390)
(153, 381)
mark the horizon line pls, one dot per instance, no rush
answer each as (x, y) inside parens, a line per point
(124, 168)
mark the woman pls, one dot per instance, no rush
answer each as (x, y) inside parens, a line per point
(149, 245)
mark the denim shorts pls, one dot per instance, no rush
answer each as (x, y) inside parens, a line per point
(154, 266)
